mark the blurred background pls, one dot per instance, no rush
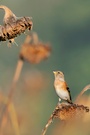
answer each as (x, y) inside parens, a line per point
(65, 24)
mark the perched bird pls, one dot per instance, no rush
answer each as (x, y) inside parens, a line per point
(61, 87)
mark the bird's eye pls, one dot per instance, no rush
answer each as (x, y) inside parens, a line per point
(58, 72)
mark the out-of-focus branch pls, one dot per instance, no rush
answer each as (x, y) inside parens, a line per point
(15, 79)
(82, 92)
(11, 113)
(11, 93)
(48, 123)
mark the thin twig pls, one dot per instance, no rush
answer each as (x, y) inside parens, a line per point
(15, 79)
(47, 125)
(82, 92)
(49, 122)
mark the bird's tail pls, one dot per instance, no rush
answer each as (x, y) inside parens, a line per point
(70, 101)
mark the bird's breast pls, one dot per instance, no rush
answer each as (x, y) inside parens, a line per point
(62, 93)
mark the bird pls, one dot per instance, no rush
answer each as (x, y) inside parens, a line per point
(61, 87)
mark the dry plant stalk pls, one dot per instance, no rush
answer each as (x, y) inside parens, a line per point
(66, 112)
(15, 78)
(13, 25)
(11, 93)
(82, 92)
(34, 52)
(40, 53)
(12, 114)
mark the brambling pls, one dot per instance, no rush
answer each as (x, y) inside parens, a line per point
(61, 87)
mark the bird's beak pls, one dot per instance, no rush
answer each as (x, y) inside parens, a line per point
(54, 72)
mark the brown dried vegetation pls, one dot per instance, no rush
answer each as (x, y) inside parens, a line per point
(70, 113)
(18, 72)
(34, 52)
(13, 25)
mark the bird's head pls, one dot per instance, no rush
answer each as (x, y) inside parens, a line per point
(59, 75)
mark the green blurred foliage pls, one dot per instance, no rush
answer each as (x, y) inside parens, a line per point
(66, 25)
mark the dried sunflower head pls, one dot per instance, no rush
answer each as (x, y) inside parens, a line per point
(13, 25)
(34, 52)
(70, 111)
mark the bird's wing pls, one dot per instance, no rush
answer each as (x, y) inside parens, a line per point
(68, 91)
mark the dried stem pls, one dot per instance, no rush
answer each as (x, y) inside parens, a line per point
(82, 92)
(11, 93)
(15, 79)
(47, 125)
(49, 122)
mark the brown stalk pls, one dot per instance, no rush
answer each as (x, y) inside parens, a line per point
(49, 121)
(16, 77)
(11, 93)
(47, 125)
(82, 92)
